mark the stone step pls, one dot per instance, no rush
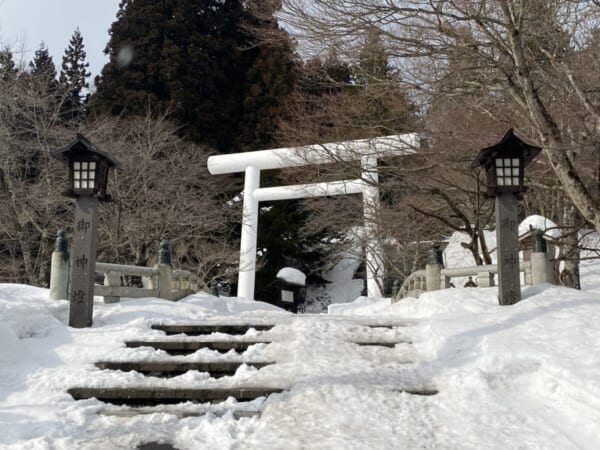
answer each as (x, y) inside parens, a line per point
(425, 391)
(174, 409)
(174, 347)
(148, 396)
(188, 347)
(197, 329)
(170, 369)
(201, 329)
(389, 344)
(155, 446)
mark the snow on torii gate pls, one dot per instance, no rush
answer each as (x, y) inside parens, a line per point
(365, 150)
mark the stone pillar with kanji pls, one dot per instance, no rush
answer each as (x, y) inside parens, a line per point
(85, 233)
(507, 250)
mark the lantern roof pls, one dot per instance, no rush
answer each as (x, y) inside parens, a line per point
(509, 144)
(82, 146)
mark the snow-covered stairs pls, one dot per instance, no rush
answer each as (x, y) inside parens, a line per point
(182, 340)
(182, 345)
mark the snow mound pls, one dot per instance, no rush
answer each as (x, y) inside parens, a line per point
(536, 222)
(292, 276)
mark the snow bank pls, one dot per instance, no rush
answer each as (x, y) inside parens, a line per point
(455, 255)
(521, 376)
(536, 222)
(531, 367)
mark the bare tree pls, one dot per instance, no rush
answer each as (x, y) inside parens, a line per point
(31, 204)
(163, 191)
(536, 56)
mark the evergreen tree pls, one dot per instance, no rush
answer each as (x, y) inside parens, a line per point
(313, 108)
(373, 61)
(269, 78)
(43, 70)
(177, 55)
(73, 77)
(8, 67)
(282, 232)
(385, 106)
(324, 77)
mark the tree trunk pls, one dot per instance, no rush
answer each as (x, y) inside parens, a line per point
(569, 276)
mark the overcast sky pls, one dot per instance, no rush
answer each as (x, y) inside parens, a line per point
(26, 23)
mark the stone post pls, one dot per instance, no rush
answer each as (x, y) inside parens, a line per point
(433, 269)
(509, 278)
(485, 279)
(540, 266)
(112, 278)
(446, 283)
(59, 269)
(395, 288)
(165, 272)
(194, 283)
(83, 267)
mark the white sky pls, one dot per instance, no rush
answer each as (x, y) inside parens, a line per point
(24, 24)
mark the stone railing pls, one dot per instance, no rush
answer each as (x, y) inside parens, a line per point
(536, 271)
(162, 280)
(485, 275)
(414, 285)
(185, 281)
(114, 274)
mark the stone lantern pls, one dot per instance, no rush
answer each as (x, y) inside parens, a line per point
(504, 164)
(88, 176)
(88, 168)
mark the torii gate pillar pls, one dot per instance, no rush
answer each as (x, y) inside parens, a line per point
(247, 271)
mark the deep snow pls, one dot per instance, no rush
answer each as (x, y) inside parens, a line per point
(524, 376)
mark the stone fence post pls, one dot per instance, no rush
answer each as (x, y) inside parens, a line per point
(485, 279)
(59, 268)
(541, 269)
(433, 269)
(165, 271)
(112, 278)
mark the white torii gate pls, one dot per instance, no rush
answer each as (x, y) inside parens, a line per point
(368, 151)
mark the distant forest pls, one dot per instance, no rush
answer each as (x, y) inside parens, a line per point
(189, 78)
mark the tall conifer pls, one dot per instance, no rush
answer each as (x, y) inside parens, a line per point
(270, 68)
(73, 77)
(42, 68)
(8, 67)
(177, 55)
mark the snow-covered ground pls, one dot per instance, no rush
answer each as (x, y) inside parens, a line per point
(522, 376)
